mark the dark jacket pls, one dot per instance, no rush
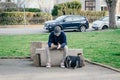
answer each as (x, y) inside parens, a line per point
(57, 39)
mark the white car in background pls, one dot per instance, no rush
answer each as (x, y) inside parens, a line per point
(103, 23)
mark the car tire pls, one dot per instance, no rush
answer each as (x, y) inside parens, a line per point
(104, 27)
(96, 29)
(82, 28)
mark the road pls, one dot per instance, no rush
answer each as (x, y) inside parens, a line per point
(11, 31)
(25, 30)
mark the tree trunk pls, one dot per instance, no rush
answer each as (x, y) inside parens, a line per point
(112, 12)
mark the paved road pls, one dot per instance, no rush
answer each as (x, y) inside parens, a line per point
(25, 30)
(11, 31)
(23, 69)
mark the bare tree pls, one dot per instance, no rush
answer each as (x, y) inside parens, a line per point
(112, 11)
(7, 5)
(45, 6)
(39, 3)
(20, 3)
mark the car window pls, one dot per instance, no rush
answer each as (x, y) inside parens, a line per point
(60, 18)
(118, 18)
(105, 18)
(67, 19)
(77, 18)
(82, 18)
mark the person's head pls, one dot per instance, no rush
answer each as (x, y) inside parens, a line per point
(57, 30)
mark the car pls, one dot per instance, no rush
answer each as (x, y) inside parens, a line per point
(103, 23)
(68, 22)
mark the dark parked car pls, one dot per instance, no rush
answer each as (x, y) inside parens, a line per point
(66, 22)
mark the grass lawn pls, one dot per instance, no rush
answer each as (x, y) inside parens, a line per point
(99, 46)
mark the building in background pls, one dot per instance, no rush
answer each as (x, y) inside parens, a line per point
(5, 4)
(94, 5)
(47, 5)
(6, 0)
(44, 5)
(118, 8)
(61, 1)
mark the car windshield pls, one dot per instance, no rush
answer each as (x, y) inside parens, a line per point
(104, 18)
(60, 18)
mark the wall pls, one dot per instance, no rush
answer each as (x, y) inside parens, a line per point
(118, 8)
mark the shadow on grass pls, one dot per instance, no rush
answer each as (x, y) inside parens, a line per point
(116, 54)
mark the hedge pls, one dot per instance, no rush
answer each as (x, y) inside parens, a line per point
(12, 18)
(91, 15)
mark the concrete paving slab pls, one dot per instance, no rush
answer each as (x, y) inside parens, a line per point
(23, 69)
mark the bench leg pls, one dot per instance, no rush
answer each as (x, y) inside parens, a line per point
(37, 60)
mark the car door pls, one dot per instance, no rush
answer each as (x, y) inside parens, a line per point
(76, 21)
(67, 22)
(118, 21)
(71, 22)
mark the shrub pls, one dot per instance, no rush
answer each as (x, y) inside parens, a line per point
(13, 18)
(64, 8)
(32, 10)
(91, 15)
(55, 11)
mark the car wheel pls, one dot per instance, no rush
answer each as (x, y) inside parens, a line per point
(104, 27)
(82, 29)
(96, 28)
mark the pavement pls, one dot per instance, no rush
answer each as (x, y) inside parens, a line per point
(23, 69)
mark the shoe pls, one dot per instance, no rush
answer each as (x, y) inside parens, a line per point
(62, 65)
(48, 65)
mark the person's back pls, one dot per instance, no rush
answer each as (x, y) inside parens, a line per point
(57, 40)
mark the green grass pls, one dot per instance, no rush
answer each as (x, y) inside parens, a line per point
(98, 46)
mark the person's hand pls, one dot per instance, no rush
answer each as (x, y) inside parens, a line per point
(53, 46)
(59, 46)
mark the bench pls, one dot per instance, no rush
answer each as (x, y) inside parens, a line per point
(34, 45)
(39, 58)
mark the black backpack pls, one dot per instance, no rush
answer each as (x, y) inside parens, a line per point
(73, 61)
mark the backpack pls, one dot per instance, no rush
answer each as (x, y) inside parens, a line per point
(73, 61)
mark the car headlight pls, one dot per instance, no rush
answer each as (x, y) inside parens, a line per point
(96, 25)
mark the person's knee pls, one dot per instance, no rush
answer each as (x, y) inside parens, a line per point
(46, 48)
(66, 47)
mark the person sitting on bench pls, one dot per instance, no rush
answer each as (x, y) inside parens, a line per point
(57, 40)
